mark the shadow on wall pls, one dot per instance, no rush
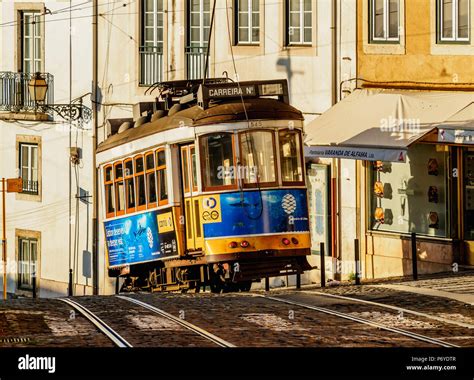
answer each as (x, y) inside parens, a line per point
(284, 64)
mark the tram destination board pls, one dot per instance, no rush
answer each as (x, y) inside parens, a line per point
(244, 89)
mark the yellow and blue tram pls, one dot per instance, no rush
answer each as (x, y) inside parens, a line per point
(207, 189)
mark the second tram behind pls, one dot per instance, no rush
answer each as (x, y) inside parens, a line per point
(208, 189)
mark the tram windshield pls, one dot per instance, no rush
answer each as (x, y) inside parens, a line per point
(257, 157)
(218, 160)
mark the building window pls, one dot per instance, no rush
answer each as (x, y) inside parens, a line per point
(29, 167)
(217, 152)
(453, 20)
(299, 16)
(199, 21)
(384, 20)
(257, 155)
(27, 261)
(152, 36)
(248, 21)
(290, 157)
(161, 176)
(31, 42)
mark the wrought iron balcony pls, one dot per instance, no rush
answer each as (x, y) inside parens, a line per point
(30, 187)
(196, 61)
(14, 93)
(151, 65)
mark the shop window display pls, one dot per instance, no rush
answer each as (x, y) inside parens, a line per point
(411, 196)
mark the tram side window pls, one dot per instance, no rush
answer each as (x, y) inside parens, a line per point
(151, 179)
(218, 160)
(257, 155)
(161, 175)
(140, 183)
(109, 192)
(119, 188)
(129, 185)
(290, 156)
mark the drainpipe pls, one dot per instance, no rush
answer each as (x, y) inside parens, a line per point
(336, 164)
(95, 105)
(334, 65)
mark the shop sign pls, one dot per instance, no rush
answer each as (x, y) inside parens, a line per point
(457, 136)
(367, 154)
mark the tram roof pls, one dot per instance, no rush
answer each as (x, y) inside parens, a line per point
(194, 116)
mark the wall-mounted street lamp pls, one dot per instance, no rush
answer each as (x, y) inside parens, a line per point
(71, 112)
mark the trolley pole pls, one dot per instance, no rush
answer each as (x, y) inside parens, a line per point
(322, 265)
(357, 261)
(4, 240)
(414, 256)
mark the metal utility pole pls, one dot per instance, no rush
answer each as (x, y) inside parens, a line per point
(95, 114)
(4, 241)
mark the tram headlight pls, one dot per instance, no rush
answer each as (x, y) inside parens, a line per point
(233, 244)
(244, 243)
(285, 241)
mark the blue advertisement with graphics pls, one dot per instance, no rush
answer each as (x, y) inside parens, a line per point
(140, 238)
(254, 212)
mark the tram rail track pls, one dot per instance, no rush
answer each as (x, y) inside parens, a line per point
(378, 325)
(108, 331)
(391, 307)
(203, 333)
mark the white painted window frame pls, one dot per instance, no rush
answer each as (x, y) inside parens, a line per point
(301, 27)
(454, 15)
(155, 26)
(250, 27)
(386, 22)
(30, 148)
(36, 63)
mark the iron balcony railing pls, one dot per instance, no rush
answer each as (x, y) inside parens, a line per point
(151, 65)
(30, 187)
(14, 93)
(196, 61)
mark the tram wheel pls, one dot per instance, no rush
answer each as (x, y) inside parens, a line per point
(245, 286)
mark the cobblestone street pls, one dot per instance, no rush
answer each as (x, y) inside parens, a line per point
(246, 319)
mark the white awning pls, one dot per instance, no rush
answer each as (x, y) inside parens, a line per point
(459, 128)
(380, 124)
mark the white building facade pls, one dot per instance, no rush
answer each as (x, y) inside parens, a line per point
(48, 224)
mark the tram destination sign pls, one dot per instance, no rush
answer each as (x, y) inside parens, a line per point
(231, 91)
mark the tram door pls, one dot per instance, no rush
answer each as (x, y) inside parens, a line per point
(193, 225)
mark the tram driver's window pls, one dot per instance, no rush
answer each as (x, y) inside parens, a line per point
(109, 192)
(129, 186)
(257, 158)
(119, 189)
(218, 160)
(290, 156)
